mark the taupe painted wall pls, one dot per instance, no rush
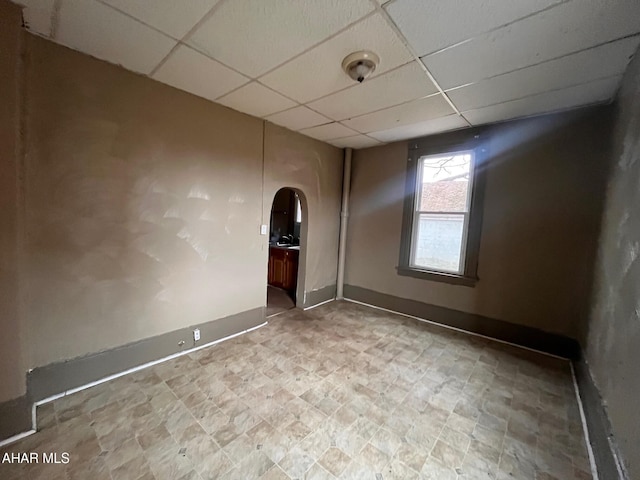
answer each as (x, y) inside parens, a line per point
(315, 169)
(544, 189)
(613, 347)
(144, 205)
(12, 380)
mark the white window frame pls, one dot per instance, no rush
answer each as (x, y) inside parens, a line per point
(417, 212)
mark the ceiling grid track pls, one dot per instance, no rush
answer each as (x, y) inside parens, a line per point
(552, 59)
(280, 61)
(183, 40)
(496, 28)
(395, 28)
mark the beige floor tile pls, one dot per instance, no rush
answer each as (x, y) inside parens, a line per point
(214, 466)
(447, 455)
(275, 473)
(373, 457)
(397, 470)
(335, 461)
(359, 471)
(132, 470)
(253, 465)
(340, 391)
(386, 441)
(433, 469)
(296, 463)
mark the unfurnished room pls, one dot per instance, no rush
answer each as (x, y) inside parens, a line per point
(319, 239)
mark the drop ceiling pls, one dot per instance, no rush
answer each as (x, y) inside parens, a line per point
(444, 65)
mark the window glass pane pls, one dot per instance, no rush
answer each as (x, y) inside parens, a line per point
(438, 241)
(298, 210)
(445, 183)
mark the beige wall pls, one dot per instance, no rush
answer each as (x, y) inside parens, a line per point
(12, 381)
(541, 214)
(144, 205)
(315, 169)
(612, 350)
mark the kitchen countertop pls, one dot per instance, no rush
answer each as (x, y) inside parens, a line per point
(285, 247)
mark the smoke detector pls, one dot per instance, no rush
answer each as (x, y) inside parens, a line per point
(359, 65)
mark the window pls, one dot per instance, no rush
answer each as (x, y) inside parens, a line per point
(440, 237)
(441, 216)
(298, 210)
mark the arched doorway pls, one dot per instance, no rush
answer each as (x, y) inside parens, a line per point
(286, 251)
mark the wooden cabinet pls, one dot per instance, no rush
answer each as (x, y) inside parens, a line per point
(276, 267)
(290, 280)
(283, 268)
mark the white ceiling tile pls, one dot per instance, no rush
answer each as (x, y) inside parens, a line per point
(211, 81)
(357, 141)
(318, 72)
(98, 30)
(604, 61)
(564, 29)
(598, 91)
(298, 118)
(37, 15)
(421, 129)
(329, 131)
(398, 86)
(256, 100)
(171, 17)
(254, 36)
(430, 25)
(407, 113)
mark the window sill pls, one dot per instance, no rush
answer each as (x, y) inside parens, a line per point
(451, 278)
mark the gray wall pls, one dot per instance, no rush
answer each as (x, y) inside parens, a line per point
(544, 190)
(143, 207)
(12, 381)
(613, 347)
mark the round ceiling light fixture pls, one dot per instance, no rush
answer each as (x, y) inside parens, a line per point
(359, 65)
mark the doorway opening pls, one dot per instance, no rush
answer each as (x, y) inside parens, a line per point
(285, 233)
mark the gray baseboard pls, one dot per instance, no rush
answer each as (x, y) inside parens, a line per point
(15, 417)
(44, 382)
(499, 329)
(603, 444)
(321, 295)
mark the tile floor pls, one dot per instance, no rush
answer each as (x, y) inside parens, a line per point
(341, 391)
(278, 301)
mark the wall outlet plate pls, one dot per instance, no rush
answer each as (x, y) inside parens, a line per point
(264, 229)
(196, 335)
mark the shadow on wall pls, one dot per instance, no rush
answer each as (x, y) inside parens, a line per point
(542, 213)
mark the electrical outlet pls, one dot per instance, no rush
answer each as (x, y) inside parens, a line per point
(264, 229)
(196, 335)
